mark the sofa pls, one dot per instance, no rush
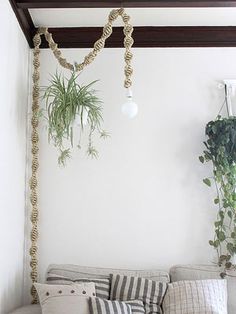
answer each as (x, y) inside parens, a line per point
(176, 273)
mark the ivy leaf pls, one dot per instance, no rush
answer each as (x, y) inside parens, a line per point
(218, 223)
(223, 258)
(223, 275)
(207, 155)
(225, 203)
(221, 236)
(230, 247)
(211, 243)
(228, 257)
(216, 243)
(216, 200)
(228, 265)
(201, 158)
(214, 129)
(221, 214)
(207, 181)
(233, 235)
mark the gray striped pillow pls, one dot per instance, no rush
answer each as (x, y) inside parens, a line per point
(131, 288)
(101, 306)
(102, 285)
(137, 306)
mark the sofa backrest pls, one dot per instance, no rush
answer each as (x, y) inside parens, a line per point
(201, 272)
(177, 273)
(74, 272)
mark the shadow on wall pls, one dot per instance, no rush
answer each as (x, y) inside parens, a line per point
(11, 294)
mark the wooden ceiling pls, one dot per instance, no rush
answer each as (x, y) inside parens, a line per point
(144, 36)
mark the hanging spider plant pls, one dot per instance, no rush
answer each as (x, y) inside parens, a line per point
(70, 106)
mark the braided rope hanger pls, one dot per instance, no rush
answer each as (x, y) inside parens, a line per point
(98, 46)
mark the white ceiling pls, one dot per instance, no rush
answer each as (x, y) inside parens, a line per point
(139, 17)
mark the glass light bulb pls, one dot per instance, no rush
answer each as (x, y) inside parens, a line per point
(130, 108)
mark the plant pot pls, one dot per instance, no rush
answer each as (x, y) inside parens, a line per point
(84, 120)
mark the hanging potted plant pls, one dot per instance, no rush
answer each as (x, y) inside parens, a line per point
(70, 106)
(221, 152)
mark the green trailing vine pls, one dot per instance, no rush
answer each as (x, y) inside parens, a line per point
(67, 103)
(220, 149)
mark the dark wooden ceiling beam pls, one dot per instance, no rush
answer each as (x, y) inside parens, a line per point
(177, 36)
(184, 36)
(30, 4)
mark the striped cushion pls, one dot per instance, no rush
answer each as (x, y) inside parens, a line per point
(137, 306)
(101, 306)
(102, 285)
(196, 297)
(131, 288)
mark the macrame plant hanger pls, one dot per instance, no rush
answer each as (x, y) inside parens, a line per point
(98, 46)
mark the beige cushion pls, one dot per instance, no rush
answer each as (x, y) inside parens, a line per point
(102, 285)
(74, 272)
(65, 299)
(195, 272)
(29, 309)
(196, 297)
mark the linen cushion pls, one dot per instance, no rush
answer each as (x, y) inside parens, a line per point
(196, 297)
(28, 309)
(102, 285)
(131, 288)
(202, 272)
(76, 271)
(101, 306)
(65, 299)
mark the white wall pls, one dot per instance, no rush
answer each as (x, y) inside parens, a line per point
(14, 92)
(142, 204)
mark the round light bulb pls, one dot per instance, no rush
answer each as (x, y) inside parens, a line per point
(130, 108)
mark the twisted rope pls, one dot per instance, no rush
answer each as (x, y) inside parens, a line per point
(98, 46)
(34, 167)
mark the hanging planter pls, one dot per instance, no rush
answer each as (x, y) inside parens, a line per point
(221, 151)
(69, 108)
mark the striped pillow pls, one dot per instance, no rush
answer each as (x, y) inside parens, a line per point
(102, 286)
(196, 297)
(131, 288)
(137, 306)
(101, 306)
